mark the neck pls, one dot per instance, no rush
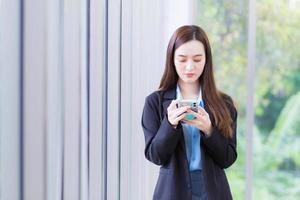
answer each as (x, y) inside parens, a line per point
(189, 90)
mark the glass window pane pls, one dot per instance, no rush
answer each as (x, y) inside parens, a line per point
(226, 25)
(277, 101)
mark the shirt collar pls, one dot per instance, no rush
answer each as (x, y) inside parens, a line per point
(199, 100)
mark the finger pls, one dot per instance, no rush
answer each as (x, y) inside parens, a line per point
(190, 122)
(180, 110)
(184, 120)
(192, 111)
(187, 120)
(172, 106)
(173, 114)
(176, 119)
(199, 115)
(180, 118)
(201, 110)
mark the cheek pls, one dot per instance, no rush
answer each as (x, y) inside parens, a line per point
(200, 67)
(179, 66)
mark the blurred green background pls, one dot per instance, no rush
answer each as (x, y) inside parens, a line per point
(276, 142)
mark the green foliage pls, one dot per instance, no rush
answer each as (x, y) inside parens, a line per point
(277, 169)
(277, 59)
(285, 137)
(276, 150)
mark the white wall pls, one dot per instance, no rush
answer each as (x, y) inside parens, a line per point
(10, 106)
(146, 29)
(74, 77)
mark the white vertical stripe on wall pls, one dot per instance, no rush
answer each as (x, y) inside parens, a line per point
(72, 104)
(141, 67)
(113, 99)
(34, 100)
(177, 13)
(55, 99)
(192, 11)
(148, 49)
(56, 94)
(126, 174)
(84, 104)
(97, 65)
(10, 99)
(146, 63)
(142, 45)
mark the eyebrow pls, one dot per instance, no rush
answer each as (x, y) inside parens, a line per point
(186, 56)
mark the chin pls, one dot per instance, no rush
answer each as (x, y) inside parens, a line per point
(190, 80)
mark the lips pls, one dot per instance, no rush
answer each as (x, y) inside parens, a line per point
(189, 74)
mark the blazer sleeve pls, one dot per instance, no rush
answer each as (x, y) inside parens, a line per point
(160, 137)
(221, 149)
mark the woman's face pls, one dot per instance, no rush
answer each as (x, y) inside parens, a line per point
(189, 60)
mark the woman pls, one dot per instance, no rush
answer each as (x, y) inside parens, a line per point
(192, 153)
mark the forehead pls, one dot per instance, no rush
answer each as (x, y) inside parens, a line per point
(192, 47)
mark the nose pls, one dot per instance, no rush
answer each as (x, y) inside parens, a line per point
(189, 66)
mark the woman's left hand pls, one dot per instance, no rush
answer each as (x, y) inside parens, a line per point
(202, 121)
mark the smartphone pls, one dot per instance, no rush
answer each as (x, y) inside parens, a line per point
(189, 102)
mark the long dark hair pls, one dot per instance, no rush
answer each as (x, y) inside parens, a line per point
(216, 101)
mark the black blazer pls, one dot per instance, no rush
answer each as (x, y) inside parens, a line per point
(165, 146)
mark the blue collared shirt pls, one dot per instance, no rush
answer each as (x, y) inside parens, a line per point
(192, 138)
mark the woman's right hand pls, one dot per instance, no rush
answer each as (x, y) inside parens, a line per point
(176, 114)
